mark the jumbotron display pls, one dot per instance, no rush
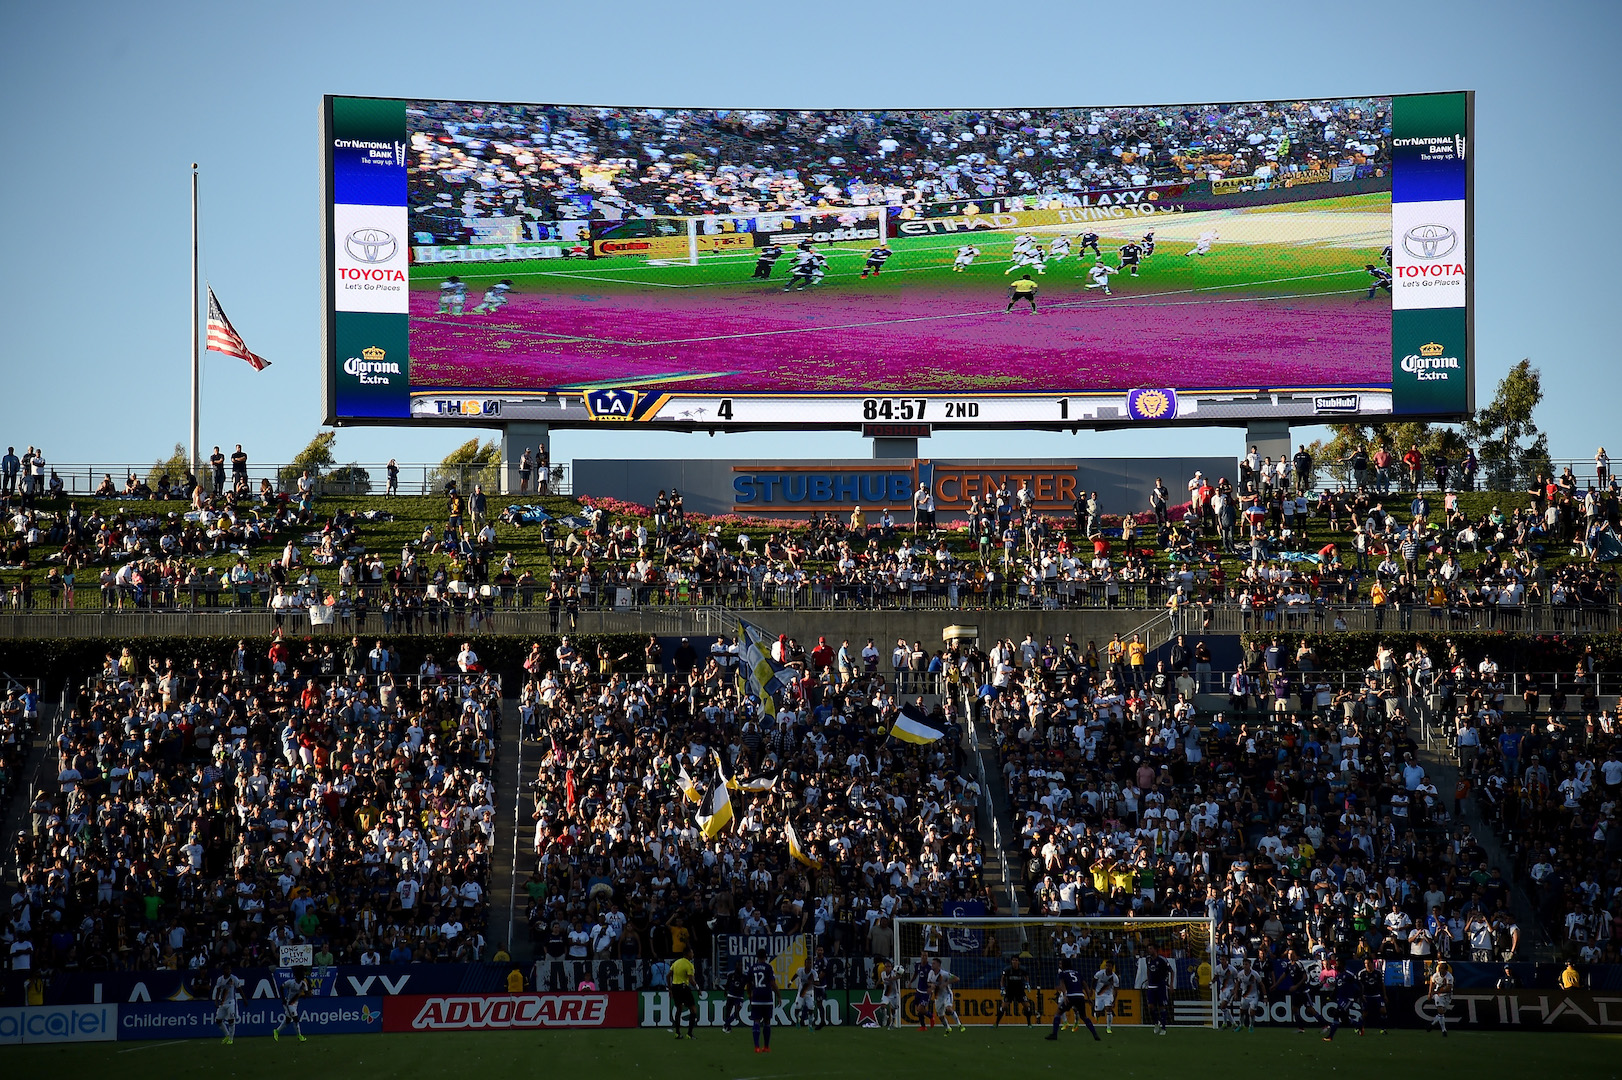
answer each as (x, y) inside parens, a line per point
(759, 268)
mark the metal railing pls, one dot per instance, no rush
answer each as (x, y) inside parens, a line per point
(1397, 478)
(988, 804)
(86, 479)
(491, 608)
(135, 623)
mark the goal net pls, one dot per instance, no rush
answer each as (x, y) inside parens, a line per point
(677, 241)
(979, 951)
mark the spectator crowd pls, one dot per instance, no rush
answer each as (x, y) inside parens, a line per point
(207, 813)
(545, 165)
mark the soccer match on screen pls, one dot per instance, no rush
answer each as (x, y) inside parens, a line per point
(746, 543)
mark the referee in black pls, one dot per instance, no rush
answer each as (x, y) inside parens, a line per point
(682, 979)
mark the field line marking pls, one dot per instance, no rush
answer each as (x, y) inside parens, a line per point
(534, 333)
(637, 380)
(1065, 304)
(150, 1045)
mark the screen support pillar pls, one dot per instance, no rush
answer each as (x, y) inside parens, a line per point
(895, 448)
(515, 439)
(1271, 438)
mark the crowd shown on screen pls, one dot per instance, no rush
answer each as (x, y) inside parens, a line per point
(552, 164)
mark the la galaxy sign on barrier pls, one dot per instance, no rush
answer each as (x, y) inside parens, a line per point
(843, 269)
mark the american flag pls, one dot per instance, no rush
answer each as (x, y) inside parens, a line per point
(223, 337)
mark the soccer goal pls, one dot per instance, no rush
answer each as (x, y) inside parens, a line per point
(979, 950)
(666, 240)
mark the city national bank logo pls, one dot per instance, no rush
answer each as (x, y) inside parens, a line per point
(1430, 365)
(612, 404)
(1430, 242)
(371, 245)
(371, 368)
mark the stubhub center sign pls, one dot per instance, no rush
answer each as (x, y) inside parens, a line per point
(805, 489)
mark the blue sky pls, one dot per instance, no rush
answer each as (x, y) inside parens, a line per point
(110, 103)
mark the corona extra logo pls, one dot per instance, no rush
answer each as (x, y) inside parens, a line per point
(370, 367)
(1431, 349)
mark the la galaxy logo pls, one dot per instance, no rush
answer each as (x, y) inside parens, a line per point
(613, 404)
(1152, 404)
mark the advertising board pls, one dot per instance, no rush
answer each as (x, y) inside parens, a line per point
(509, 1012)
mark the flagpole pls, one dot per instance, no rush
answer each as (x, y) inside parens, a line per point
(196, 345)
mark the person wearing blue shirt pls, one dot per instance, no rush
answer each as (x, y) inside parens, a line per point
(762, 1001)
(1072, 998)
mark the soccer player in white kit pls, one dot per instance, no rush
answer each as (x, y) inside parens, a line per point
(1105, 982)
(294, 990)
(1029, 255)
(1098, 277)
(227, 992)
(1248, 985)
(494, 297)
(806, 1013)
(1202, 244)
(891, 1001)
(965, 257)
(1058, 248)
(452, 295)
(1227, 980)
(940, 982)
(1441, 993)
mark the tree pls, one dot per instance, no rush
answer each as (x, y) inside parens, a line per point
(175, 468)
(317, 457)
(1397, 436)
(469, 464)
(1509, 445)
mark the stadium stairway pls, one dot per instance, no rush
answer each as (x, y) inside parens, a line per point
(37, 773)
(1003, 869)
(1435, 754)
(507, 904)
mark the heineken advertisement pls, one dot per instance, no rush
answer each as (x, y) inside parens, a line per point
(368, 339)
(1431, 350)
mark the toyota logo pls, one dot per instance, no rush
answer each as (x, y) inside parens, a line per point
(371, 245)
(1430, 241)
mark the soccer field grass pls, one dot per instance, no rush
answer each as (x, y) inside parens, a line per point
(1280, 301)
(1014, 1052)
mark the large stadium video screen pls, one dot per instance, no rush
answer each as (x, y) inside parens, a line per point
(1033, 267)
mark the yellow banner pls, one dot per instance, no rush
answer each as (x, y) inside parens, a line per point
(672, 247)
(980, 1006)
(1230, 184)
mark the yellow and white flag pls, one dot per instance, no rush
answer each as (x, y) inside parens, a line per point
(798, 852)
(688, 788)
(755, 784)
(719, 805)
(910, 727)
(762, 675)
